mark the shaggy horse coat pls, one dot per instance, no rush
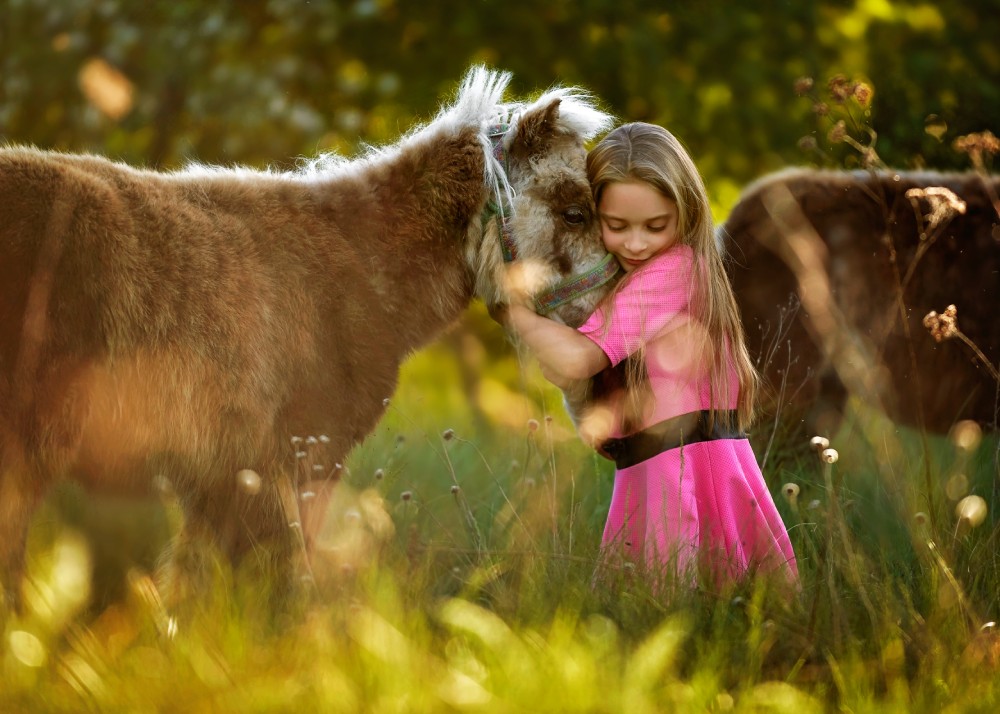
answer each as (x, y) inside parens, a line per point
(189, 324)
(819, 261)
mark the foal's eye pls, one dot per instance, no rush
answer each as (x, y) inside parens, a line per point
(574, 216)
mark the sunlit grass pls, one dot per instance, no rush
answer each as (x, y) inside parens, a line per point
(457, 574)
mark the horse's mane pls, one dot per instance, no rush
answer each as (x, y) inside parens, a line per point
(479, 103)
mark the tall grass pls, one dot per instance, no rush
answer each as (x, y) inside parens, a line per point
(457, 573)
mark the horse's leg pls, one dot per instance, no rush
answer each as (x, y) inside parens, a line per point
(21, 490)
(260, 532)
(186, 564)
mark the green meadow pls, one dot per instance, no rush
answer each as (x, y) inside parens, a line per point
(456, 572)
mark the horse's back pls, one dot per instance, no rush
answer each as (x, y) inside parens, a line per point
(875, 236)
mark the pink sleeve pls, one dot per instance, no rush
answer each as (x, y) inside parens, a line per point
(651, 297)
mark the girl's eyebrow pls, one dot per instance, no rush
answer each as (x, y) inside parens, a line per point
(613, 217)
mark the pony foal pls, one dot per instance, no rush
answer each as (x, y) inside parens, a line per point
(189, 324)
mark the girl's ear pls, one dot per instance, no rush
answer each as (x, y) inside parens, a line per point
(536, 130)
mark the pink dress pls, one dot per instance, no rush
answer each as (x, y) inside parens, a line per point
(700, 505)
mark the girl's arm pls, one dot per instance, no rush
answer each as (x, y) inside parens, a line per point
(565, 355)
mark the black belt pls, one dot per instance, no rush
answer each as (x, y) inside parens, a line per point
(663, 436)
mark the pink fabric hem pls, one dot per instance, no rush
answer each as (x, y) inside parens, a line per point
(697, 507)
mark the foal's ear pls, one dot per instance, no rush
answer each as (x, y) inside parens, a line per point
(537, 129)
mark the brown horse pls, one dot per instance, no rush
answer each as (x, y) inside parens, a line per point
(189, 325)
(825, 264)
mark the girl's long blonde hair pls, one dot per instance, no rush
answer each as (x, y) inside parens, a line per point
(651, 154)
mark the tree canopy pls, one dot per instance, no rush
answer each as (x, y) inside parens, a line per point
(163, 82)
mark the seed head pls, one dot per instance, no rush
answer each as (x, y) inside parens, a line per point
(920, 518)
(863, 94)
(324, 439)
(830, 456)
(352, 515)
(406, 495)
(312, 440)
(819, 443)
(966, 435)
(532, 425)
(971, 509)
(808, 143)
(837, 133)
(944, 326)
(957, 486)
(978, 144)
(455, 489)
(163, 486)
(943, 204)
(296, 440)
(839, 87)
(803, 85)
(385, 402)
(379, 474)
(249, 481)
(448, 434)
(791, 493)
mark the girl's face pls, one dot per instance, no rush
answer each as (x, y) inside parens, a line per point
(637, 222)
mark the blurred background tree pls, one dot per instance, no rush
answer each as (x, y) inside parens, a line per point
(161, 82)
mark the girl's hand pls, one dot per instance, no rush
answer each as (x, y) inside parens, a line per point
(564, 354)
(500, 312)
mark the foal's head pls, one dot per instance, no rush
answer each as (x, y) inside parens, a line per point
(551, 246)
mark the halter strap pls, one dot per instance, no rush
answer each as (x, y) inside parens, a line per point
(565, 290)
(577, 285)
(496, 209)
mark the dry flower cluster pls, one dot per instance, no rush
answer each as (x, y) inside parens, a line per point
(976, 145)
(942, 326)
(943, 204)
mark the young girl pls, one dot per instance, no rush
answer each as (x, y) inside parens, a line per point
(659, 378)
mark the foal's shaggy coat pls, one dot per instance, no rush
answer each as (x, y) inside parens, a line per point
(858, 237)
(189, 324)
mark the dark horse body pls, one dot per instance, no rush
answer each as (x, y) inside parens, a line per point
(834, 273)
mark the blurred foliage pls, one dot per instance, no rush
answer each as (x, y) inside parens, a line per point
(259, 82)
